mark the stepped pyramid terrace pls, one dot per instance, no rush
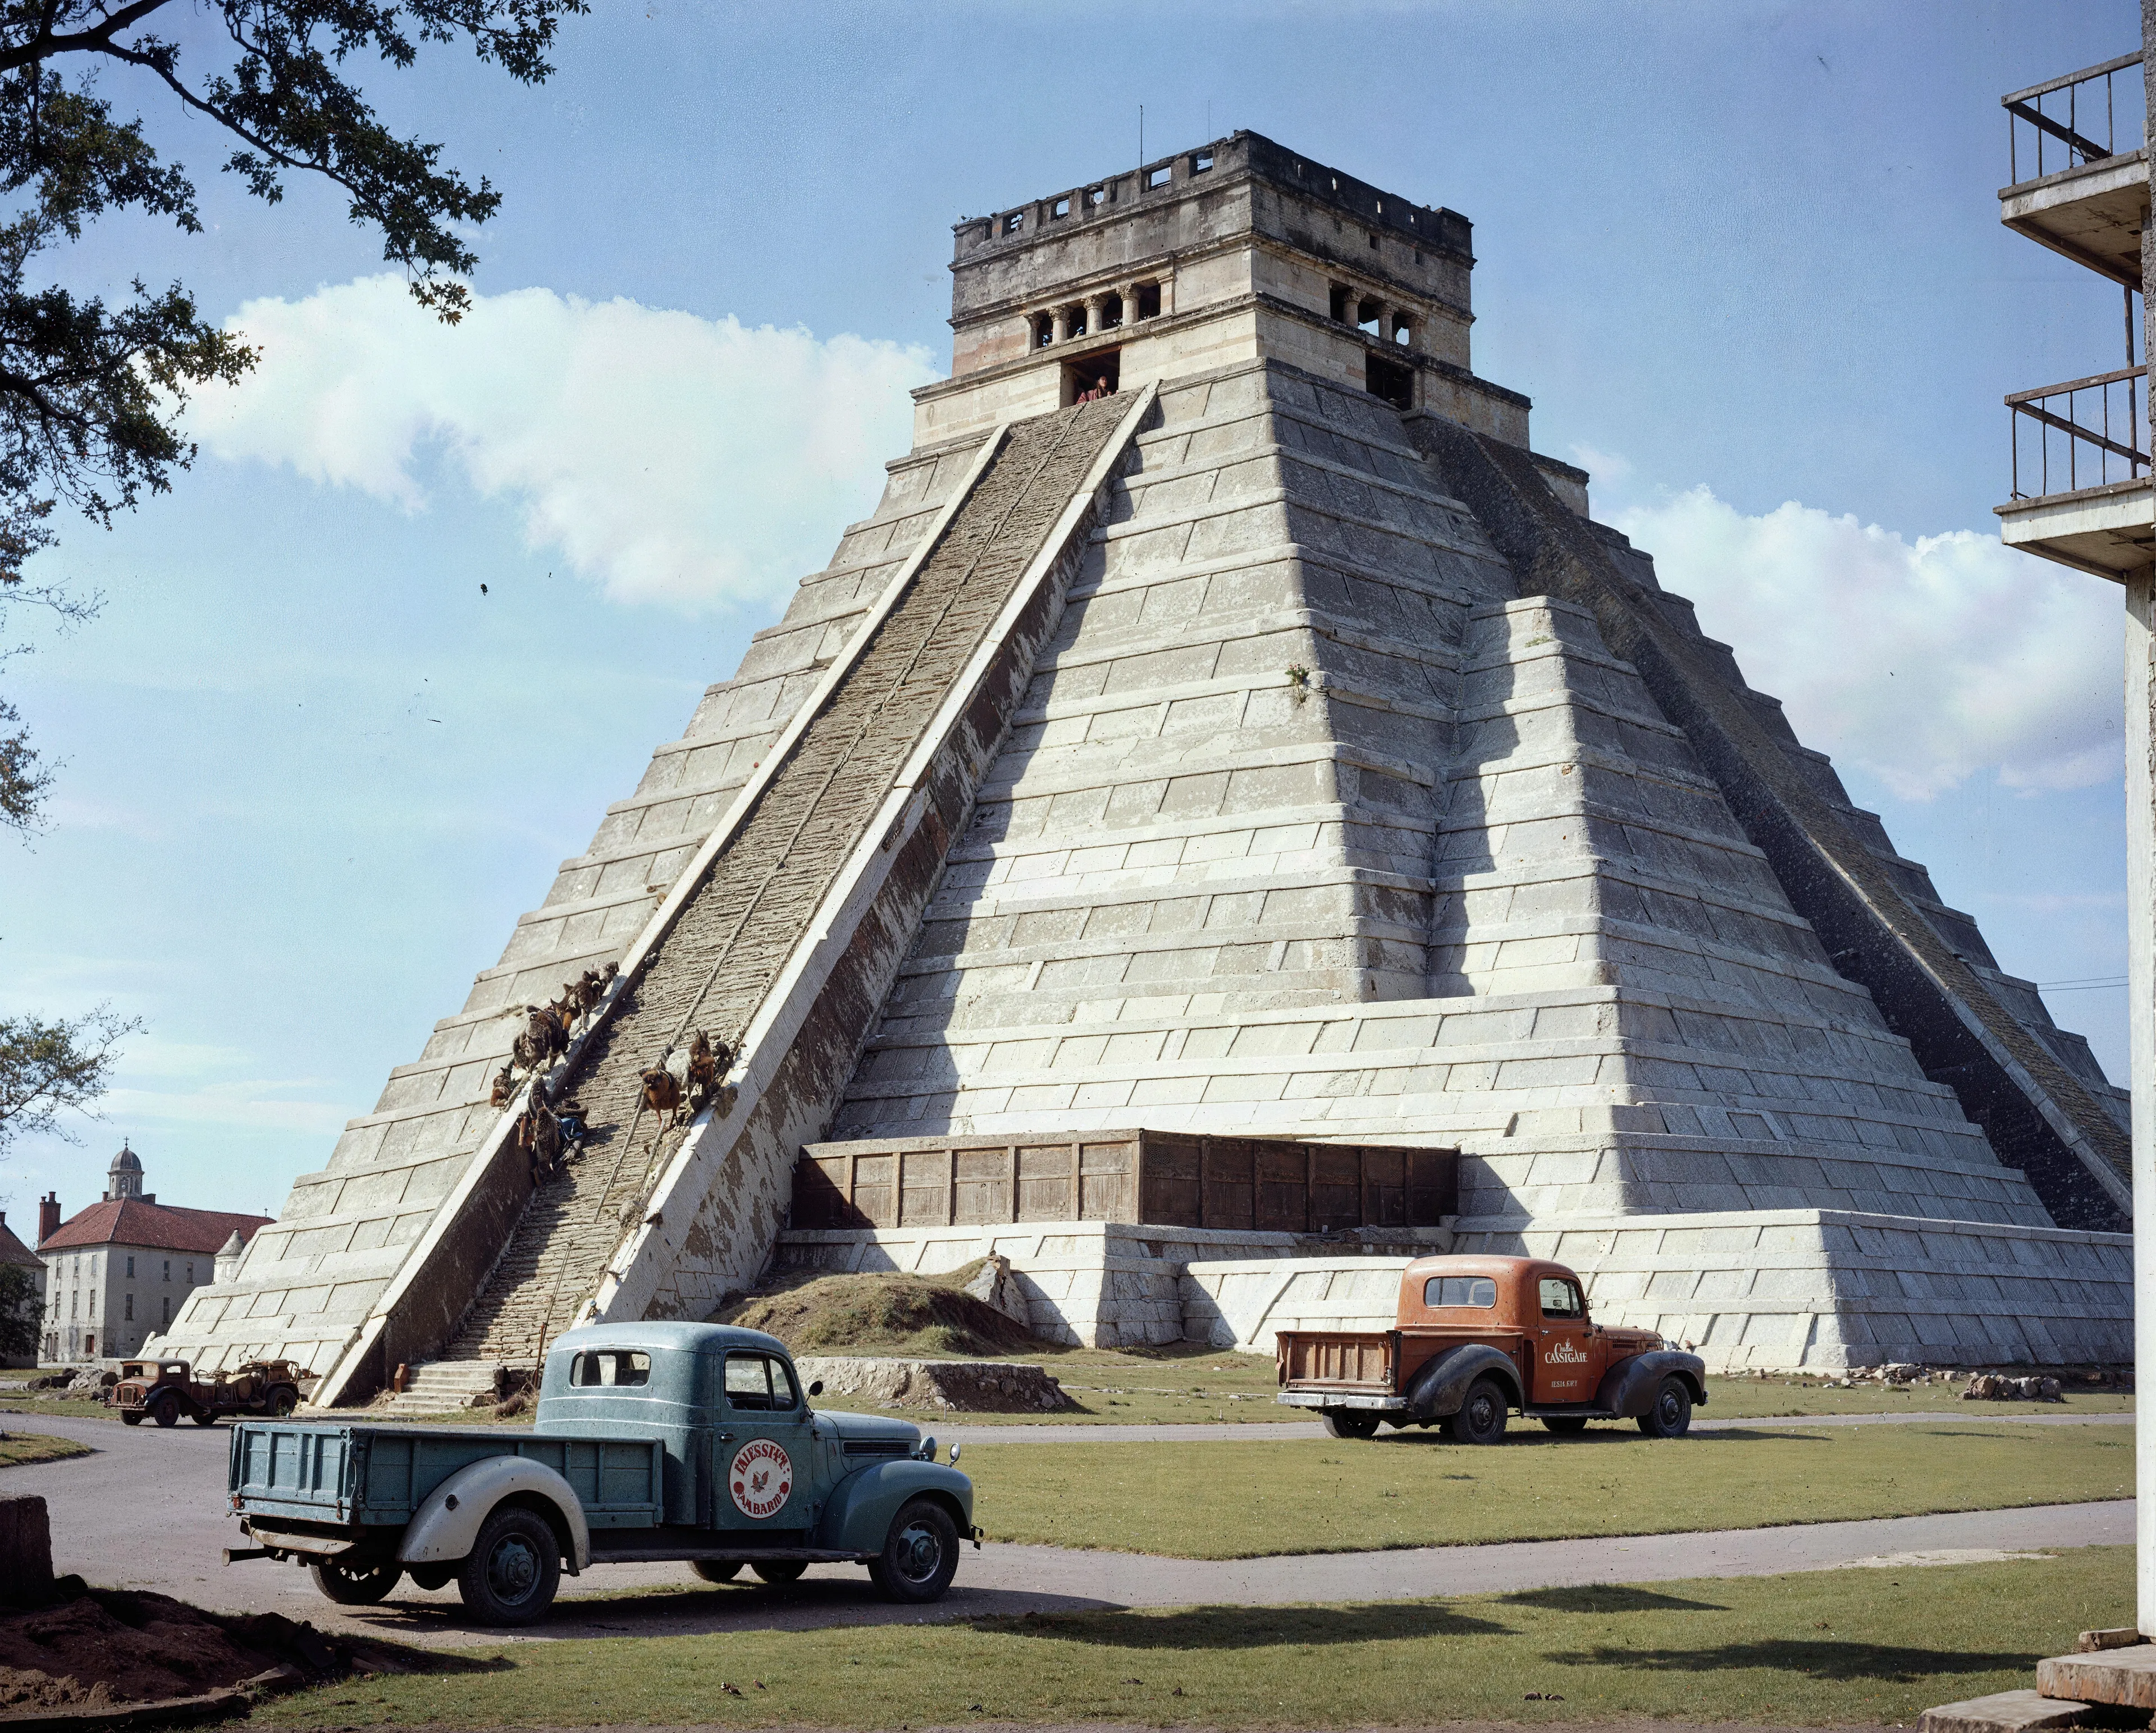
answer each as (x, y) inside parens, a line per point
(1228, 820)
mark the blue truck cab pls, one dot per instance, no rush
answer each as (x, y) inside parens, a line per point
(654, 1441)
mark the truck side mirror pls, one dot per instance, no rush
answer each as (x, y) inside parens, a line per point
(816, 1387)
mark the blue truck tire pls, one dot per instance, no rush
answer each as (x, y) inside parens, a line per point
(514, 1570)
(920, 1555)
(361, 1585)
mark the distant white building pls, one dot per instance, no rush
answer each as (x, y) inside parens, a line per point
(117, 1272)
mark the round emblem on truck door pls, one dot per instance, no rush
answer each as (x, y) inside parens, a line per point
(761, 1478)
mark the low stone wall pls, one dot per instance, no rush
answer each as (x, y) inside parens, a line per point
(1242, 1304)
(1093, 1284)
(1832, 1288)
(974, 1387)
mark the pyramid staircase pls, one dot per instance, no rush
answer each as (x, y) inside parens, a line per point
(768, 884)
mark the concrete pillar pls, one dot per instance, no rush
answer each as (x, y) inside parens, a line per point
(2141, 1036)
(2140, 959)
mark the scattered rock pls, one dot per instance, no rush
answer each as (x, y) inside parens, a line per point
(963, 1386)
(1992, 1386)
(994, 1284)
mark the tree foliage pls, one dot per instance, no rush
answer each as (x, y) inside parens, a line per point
(49, 1068)
(90, 394)
(19, 1316)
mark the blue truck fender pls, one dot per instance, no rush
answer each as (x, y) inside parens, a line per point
(446, 1526)
(856, 1517)
(1628, 1388)
(1441, 1386)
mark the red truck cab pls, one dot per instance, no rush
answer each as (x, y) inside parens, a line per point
(1477, 1338)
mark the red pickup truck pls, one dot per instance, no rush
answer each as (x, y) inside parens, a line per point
(1478, 1337)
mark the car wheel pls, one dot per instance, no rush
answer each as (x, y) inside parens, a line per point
(716, 1570)
(356, 1585)
(1565, 1426)
(779, 1572)
(920, 1555)
(133, 1417)
(1350, 1423)
(1670, 1417)
(283, 1399)
(431, 1577)
(204, 1418)
(514, 1567)
(1482, 1417)
(167, 1411)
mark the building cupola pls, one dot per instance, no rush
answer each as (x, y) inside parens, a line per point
(124, 1176)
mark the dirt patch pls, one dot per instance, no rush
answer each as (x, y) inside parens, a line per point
(92, 1647)
(929, 1316)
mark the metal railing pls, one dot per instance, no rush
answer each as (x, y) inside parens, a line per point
(2085, 432)
(2080, 123)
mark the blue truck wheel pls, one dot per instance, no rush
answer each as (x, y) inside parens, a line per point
(920, 1555)
(514, 1567)
(356, 1585)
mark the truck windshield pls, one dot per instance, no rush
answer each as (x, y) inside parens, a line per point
(757, 1383)
(610, 1368)
(1476, 1291)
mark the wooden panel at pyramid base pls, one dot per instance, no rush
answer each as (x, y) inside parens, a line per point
(1271, 1185)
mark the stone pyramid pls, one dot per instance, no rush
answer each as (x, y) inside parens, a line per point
(1271, 752)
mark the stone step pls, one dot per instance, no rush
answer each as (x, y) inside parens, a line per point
(2125, 1678)
(2003, 1712)
(766, 887)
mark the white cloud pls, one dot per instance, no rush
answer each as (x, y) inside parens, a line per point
(1923, 663)
(669, 457)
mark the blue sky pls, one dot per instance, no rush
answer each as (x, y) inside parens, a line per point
(1745, 258)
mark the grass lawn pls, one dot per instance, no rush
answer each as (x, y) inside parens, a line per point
(20, 1447)
(1826, 1648)
(1242, 1500)
(1186, 1383)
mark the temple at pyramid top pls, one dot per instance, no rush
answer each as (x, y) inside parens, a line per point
(1239, 250)
(1227, 820)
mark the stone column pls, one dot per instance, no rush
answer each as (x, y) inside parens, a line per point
(1129, 292)
(1094, 304)
(2140, 1038)
(2140, 961)
(1063, 324)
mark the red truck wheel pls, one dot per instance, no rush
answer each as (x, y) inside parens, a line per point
(166, 1411)
(203, 1418)
(1350, 1424)
(1482, 1417)
(1670, 1417)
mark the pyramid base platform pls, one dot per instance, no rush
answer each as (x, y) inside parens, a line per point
(1771, 1289)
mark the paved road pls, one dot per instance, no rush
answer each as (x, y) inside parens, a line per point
(146, 1511)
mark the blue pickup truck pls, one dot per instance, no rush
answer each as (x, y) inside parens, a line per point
(658, 1441)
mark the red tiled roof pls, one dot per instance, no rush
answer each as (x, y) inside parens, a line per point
(130, 1222)
(13, 1251)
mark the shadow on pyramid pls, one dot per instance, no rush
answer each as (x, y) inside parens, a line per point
(1228, 822)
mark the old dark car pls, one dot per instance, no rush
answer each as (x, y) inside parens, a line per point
(166, 1391)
